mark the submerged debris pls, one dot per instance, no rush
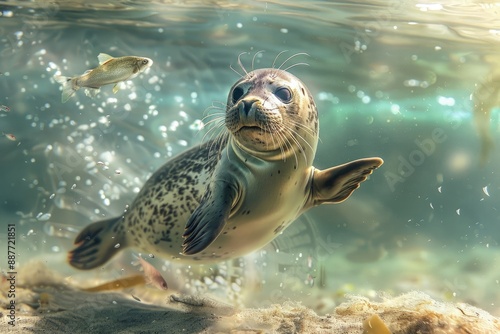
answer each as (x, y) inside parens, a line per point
(375, 325)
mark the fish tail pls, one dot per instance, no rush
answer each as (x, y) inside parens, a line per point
(96, 244)
(69, 86)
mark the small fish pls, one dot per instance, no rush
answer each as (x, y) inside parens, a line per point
(118, 284)
(310, 280)
(152, 275)
(4, 108)
(9, 136)
(110, 71)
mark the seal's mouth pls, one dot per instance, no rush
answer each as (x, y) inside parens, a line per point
(251, 128)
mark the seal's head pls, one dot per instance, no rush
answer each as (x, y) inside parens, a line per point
(270, 110)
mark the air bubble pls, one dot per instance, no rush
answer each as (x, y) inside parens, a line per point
(43, 216)
(235, 287)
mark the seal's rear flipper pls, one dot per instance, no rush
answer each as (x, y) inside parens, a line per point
(95, 245)
(336, 184)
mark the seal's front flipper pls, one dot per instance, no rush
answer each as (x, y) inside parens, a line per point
(336, 184)
(96, 245)
(209, 218)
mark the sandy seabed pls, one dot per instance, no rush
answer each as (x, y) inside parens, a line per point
(55, 307)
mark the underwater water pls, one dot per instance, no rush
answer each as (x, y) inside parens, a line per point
(394, 79)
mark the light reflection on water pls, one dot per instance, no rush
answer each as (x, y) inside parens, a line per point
(386, 76)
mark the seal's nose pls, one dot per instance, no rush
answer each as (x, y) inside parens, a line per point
(247, 105)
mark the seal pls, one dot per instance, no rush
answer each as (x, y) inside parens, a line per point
(234, 194)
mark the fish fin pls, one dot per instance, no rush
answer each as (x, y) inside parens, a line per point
(336, 184)
(103, 57)
(69, 87)
(92, 92)
(87, 72)
(116, 88)
(96, 244)
(61, 79)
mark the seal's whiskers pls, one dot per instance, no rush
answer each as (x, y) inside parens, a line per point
(216, 105)
(241, 64)
(215, 129)
(274, 132)
(221, 110)
(216, 116)
(304, 127)
(298, 64)
(214, 142)
(286, 144)
(293, 136)
(219, 142)
(232, 68)
(270, 129)
(292, 56)
(273, 71)
(217, 126)
(267, 133)
(254, 56)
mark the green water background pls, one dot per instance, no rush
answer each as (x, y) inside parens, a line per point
(391, 79)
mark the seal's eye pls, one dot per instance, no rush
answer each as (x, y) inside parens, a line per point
(237, 94)
(284, 94)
